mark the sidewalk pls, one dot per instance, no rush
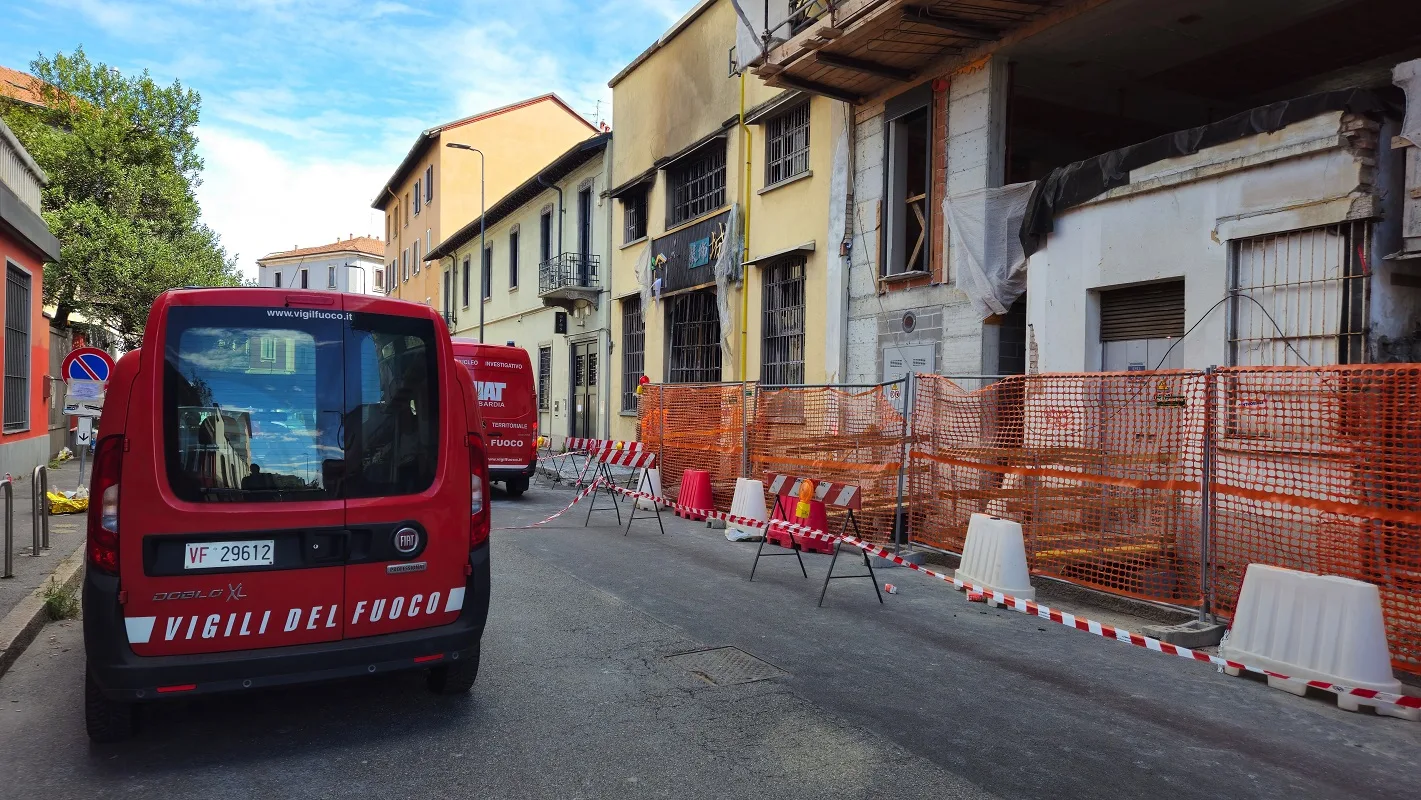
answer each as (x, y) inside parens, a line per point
(66, 538)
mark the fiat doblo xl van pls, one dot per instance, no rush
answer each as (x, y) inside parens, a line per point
(508, 402)
(288, 487)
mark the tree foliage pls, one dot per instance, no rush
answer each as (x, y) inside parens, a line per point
(122, 163)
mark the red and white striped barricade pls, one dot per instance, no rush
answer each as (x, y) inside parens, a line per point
(833, 494)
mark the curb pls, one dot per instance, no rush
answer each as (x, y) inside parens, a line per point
(19, 628)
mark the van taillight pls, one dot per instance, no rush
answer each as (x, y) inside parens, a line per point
(103, 506)
(478, 493)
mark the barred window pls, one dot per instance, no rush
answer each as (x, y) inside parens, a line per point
(782, 355)
(695, 338)
(545, 375)
(1301, 297)
(696, 185)
(787, 145)
(17, 349)
(633, 350)
(634, 216)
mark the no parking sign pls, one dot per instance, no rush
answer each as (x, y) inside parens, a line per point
(86, 370)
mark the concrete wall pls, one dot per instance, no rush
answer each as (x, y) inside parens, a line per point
(516, 143)
(973, 141)
(1175, 220)
(517, 314)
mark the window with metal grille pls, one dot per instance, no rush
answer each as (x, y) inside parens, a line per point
(696, 185)
(487, 277)
(633, 350)
(1300, 297)
(634, 216)
(695, 338)
(545, 375)
(17, 349)
(782, 351)
(787, 145)
(513, 259)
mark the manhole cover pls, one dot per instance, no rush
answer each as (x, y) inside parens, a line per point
(726, 666)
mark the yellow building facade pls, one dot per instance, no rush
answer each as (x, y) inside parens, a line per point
(688, 180)
(435, 189)
(541, 285)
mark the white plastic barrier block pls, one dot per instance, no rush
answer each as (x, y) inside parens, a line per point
(749, 502)
(1314, 627)
(995, 557)
(651, 484)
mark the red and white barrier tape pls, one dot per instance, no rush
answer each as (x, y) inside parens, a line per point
(710, 513)
(1091, 626)
(591, 488)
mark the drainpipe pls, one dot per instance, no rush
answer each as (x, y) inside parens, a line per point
(606, 311)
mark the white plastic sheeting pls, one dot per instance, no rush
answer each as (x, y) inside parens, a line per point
(644, 278)
(1407, 75)
(728, 268)
(984, 228)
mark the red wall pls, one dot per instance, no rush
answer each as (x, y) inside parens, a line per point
(39, 338)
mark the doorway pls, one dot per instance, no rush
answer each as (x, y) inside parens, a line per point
(585, 374)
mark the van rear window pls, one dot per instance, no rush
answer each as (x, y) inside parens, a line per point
(268, 405)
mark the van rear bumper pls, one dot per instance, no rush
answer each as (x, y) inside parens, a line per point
(497, 474)
(124, 676)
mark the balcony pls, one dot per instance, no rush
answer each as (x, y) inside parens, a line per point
(568, 279)
(853, 50)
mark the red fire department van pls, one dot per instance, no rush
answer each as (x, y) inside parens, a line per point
(509, 403)
(287, 487)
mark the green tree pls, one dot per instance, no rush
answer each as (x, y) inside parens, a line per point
(122, 164)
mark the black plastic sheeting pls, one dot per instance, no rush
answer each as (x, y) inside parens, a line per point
(1076, 183)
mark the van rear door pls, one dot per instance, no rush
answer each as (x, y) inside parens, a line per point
(232, 526)
(408, 472)
(507, 401)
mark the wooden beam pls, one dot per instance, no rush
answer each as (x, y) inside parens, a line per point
(865, 66)
(814, 87)
(971, 30)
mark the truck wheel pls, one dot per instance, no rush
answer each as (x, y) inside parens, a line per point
(455, 677)
(516, 486)
(106, 720)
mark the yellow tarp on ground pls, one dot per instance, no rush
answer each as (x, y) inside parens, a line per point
(59, 504)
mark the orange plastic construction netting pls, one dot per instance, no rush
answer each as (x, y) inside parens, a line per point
(1319, 469)
(696, 426)
(840, 434)
(1102, 470)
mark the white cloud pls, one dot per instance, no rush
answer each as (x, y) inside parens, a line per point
(261, 201)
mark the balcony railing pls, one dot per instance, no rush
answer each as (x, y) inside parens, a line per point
(570, 275)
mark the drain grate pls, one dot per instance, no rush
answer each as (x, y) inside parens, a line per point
(726, 666)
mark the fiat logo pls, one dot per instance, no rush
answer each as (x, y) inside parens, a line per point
(406, 540)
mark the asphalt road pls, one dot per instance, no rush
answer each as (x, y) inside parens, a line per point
(924, 696)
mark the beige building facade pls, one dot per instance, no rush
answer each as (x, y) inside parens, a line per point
(436, 189)
(689, 182)
(541, 284)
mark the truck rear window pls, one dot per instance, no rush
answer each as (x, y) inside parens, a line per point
(272, 405)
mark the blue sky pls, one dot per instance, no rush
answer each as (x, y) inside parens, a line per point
(308, 105)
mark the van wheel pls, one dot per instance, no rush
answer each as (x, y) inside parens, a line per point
(106, 720)
(456, 677)
(516, 487)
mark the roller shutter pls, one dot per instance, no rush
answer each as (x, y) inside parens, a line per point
(1151, 311)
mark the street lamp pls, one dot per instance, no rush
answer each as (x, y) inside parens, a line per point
(483, 232)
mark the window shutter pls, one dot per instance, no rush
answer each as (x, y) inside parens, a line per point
(428, 184)
(1152, 311)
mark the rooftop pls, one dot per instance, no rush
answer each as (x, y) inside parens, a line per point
(367, 245)
(20, 86)
(429, 135)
